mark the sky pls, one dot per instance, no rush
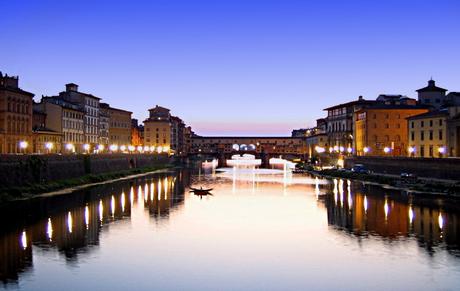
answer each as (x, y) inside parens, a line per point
(232, 67)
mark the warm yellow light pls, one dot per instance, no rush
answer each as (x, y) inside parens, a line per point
(366, 150)
(113, 148)
(86, 147)
(441, 150)
(140, 148)
(123, 148)
(100, 147)
(411, 150)
(70, 147)
(131, 148)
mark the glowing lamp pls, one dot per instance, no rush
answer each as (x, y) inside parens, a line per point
(49, 145)
(113, 148)
(100, 147)
(123, 148)
(341, 149)
(386, 150)
(349, 150)
(365, 150)
(131, 148)
(140, 148)
(411, 150)
(69, 147)
(23, 144)
(86, 147)
(441, 150)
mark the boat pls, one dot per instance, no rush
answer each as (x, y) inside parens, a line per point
(201, 191)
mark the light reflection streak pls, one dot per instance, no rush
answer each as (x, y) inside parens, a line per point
(335, 191)
(131, 196)
(69, 222)
(317, 188)
(165, 182)
(386, 208)
(440, 221)
(350, 201)
(49, 229)
(123, 202)
(365, 204)
(87, 216)
(101, 210)
(112, 205)
(24, 240)
(159, 189)
(411, 214)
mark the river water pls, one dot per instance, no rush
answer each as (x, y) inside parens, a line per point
(257, 232)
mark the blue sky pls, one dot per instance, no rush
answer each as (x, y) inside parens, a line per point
(232, 67)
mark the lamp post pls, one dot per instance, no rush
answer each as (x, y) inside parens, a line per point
(49, 146)
(23, 146)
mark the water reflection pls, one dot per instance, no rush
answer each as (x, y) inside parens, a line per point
(74, 228)
(253, 212)
(393, 217)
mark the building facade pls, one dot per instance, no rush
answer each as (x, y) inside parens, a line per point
(104, 124)
(15, 116)
(340, 124)
(157, 129)
(381, 130)
(119, 126)
(428, 134)
(90, 105)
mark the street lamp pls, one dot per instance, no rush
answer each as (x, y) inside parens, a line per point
(386, 150)
(411, 151)
(100, 148)
(113, 148)
(131, 148)
(70, 147)
(86, 147)
(140, 149)
(23, 145)
(49, 146)
(441, 151)
(123, 148)
(366, 150)
(349, 150)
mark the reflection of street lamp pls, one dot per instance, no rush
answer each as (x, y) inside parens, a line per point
(23, 145)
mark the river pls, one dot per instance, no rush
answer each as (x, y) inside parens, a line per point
(256, 232)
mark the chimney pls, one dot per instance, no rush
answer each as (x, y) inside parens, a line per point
(431, 83)
(71, 87)
(360, 98)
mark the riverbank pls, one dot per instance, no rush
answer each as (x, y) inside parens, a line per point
(64, 186)
(421, 185)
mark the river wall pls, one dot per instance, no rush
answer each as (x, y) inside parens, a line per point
(19, 170)
(441, 168)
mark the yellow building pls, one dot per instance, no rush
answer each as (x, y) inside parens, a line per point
(15, 116)
(157, 129)
(381, 130)
(119, 126)
(46, 141)
(428, 134)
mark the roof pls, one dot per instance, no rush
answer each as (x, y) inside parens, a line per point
(352, 103)
(44, 130)
(383, 106)
(118, 109)
(436, 113)
(431, 88)
(159, 108)
(63, 103)
(17, 90)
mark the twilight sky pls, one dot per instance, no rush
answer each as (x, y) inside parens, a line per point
(232, 67)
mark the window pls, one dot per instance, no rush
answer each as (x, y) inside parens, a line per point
(412, 124)
(422, 123)
(431, 123)
(431, 135)
(422, 151)
(387, 125)
(440, 122)
(412, 136)
(398, 125)
(422, 135)
(431, 151)
(375, 116)
(387, 116)
(440, 134)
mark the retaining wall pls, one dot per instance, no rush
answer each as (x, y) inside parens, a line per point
(442, 168)
(18, 170)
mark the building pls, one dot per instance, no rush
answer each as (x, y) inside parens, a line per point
(158, 129)
(453, 131)
(44, 140)
(428, 134)
(67, 118)
(90, 105)
(432, 95)
(339, 120)
(135, 133)
(381, 129)
(104, 123)
(15, 116)
(177, 135)
(301, 132)
(316, 138)
(119, 126)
